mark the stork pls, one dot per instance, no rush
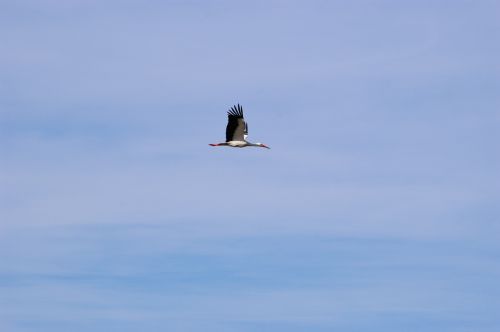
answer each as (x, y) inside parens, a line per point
(237, 130)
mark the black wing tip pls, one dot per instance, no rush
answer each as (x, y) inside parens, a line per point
(236, 111)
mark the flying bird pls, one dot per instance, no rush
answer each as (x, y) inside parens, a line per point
(237, 130)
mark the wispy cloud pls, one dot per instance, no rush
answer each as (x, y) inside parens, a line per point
(135, 274)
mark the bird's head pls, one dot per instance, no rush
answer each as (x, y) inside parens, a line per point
(262, 145)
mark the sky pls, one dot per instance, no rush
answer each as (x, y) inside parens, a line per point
(376, 208)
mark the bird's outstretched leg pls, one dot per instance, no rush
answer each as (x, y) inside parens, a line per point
(218, 144)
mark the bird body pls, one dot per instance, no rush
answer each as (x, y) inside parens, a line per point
(237, 130)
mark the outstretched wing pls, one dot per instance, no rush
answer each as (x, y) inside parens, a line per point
(236, 129)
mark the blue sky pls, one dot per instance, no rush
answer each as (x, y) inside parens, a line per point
(375, 210)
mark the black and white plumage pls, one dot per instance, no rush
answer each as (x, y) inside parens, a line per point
(237, 130)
